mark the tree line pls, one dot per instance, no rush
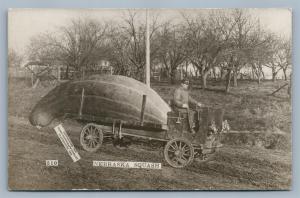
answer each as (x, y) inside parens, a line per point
(214, 41)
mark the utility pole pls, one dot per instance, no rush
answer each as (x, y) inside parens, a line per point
(147, 69)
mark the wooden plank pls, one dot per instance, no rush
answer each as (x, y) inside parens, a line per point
(81, 102)
(143, 109)
(162, 136)
(108, 120)
(278, 89)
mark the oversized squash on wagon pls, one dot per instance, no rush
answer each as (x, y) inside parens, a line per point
(117, 106)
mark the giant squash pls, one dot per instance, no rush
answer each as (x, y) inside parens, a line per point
(109, 96)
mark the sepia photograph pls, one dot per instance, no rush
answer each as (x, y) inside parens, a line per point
(149, 99)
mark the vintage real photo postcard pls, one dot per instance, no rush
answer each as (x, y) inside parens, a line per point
(149, 99)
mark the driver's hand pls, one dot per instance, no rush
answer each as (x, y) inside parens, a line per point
(199, 104)
(185, 106)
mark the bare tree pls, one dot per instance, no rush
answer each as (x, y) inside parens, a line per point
(261, 53)
(73, 45)
(239, 42)
(247, 46)
(207, 37)
(284, 56)
(275, 58)
(172, 51)
(14, 59)
(41, 49)
(128, 44)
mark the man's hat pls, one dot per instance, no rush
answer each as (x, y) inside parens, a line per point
(185, 81)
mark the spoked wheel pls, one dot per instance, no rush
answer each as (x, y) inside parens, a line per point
(91, 137)
(179, 153)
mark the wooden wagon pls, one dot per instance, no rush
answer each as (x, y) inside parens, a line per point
(181, 145)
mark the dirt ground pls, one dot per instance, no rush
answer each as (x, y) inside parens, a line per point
(237, 166)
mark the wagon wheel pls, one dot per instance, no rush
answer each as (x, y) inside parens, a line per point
(91, 137)
(179, 152)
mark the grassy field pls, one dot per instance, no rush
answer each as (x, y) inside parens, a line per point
(257, 158)
(248, 106)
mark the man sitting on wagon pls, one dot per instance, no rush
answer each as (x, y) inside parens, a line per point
(182, 101)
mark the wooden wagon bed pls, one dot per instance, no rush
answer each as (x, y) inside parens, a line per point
(130, 128)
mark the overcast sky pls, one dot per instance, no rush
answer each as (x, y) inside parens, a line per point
(26, 23)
